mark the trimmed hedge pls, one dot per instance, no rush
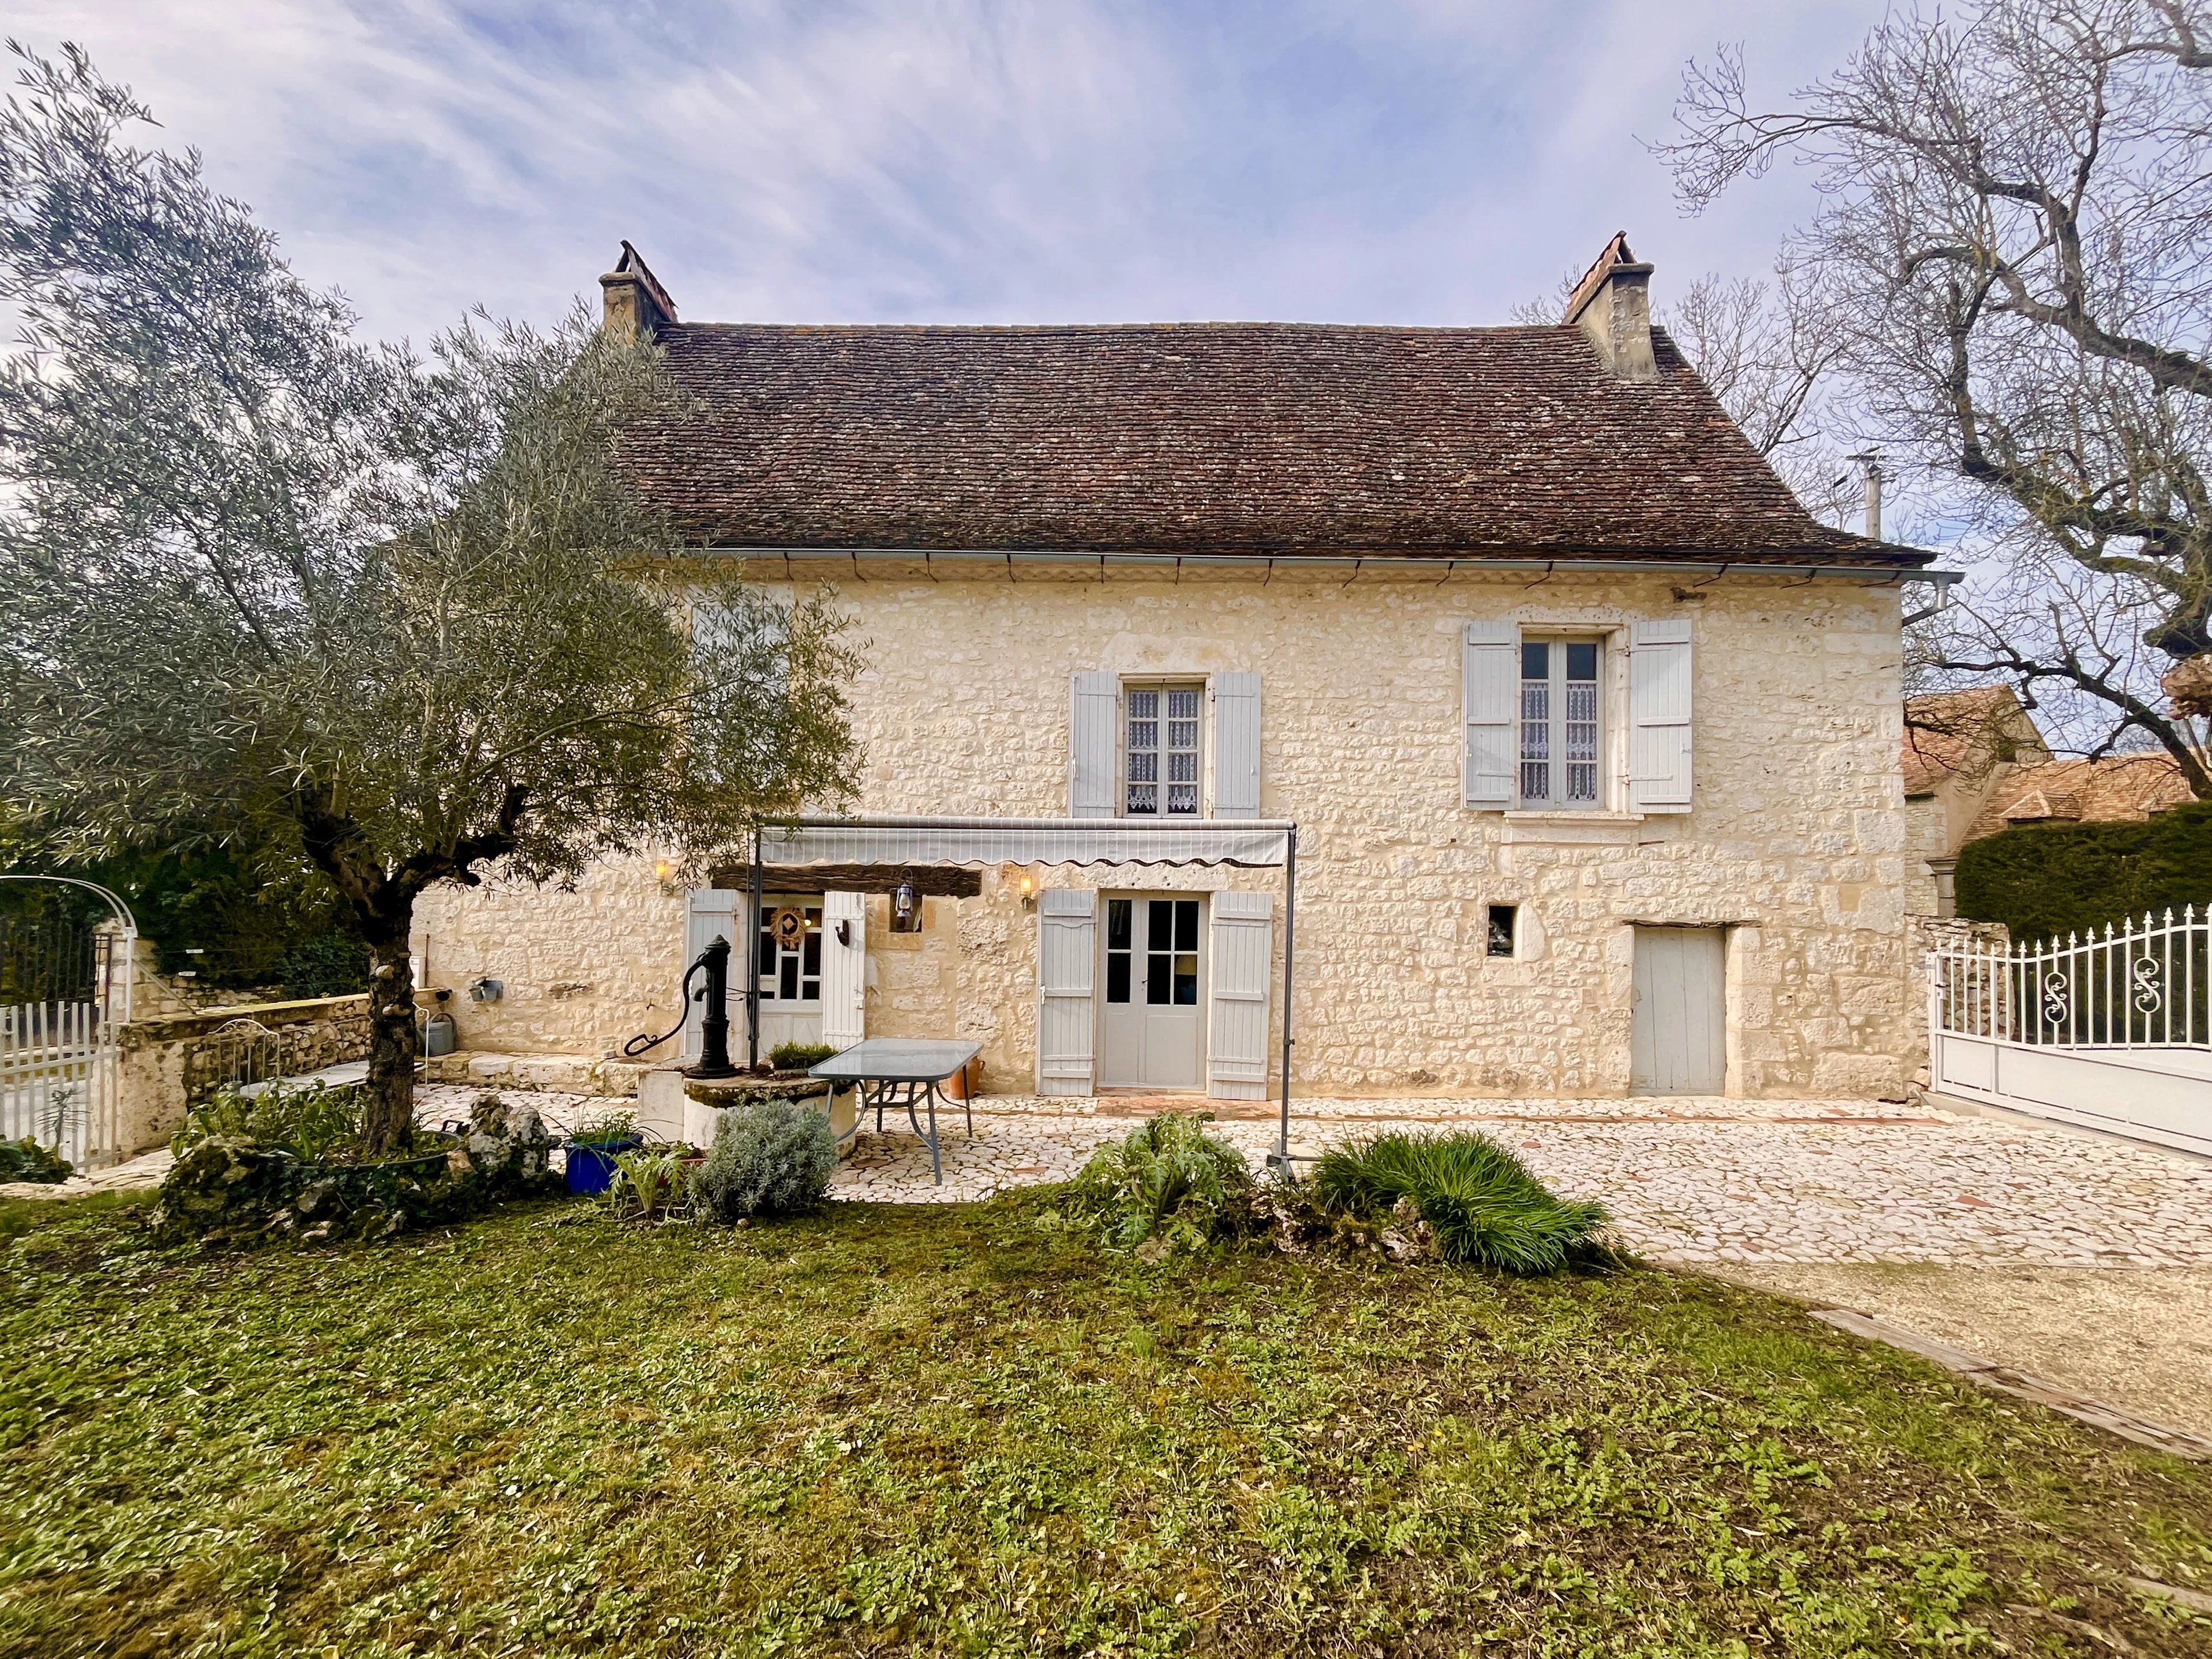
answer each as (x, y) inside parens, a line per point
(2046, 880)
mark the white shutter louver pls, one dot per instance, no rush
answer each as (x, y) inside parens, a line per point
(1236, 1034)
(844, 970)
(1093, 719)
(1490, 703)
(1659, 716)
(709, 913)
(1237, 745)
(1066, 950)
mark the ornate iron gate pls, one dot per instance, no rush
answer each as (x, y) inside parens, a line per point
(2112, 1032)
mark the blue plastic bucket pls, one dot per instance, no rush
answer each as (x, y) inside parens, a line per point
(591, 1168)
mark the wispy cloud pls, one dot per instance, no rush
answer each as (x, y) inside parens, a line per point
(1398, 160)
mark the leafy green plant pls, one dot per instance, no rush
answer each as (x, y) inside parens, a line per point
(607, 1129)
(26, 1160)
(774, 1158)
(649, 1180)
(1482, 1203)
(1167, 1181)
(311, 1120)
(798, 1056)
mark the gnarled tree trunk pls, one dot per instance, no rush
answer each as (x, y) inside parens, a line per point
(394, 1044)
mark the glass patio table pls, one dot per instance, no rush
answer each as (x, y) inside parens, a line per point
(898, 1071)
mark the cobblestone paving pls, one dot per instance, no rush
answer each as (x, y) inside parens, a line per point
(1694, 1181)
(1688, 1181)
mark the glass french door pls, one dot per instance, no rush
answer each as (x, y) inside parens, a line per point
(1153, 1023)
(787, 961)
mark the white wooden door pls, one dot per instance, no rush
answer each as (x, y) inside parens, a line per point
(844, 969)
(1066, 949)
(709, 913)
(1241, 966)
(1678, 1041)
(1153, 1025)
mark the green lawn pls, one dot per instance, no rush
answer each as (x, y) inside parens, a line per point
(946, 1432)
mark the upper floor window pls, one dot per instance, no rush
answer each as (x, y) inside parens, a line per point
(1559, 723)
(1160, 751)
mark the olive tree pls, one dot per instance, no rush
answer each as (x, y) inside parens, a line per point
(2011, 270)
(398, 607)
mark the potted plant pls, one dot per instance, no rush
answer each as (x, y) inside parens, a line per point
(593, 1148)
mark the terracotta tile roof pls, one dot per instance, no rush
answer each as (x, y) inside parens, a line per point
(1944, 729)
(2117, 789)
(1234, 437)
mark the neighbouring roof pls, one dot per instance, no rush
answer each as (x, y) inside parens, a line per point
(1271, 438)
(2114, 789)
(1948, 731)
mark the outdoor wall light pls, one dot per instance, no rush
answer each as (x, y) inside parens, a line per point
(906, 909)
(662, 869)
(1028, 885)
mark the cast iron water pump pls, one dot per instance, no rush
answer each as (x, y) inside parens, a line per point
(713, 1028)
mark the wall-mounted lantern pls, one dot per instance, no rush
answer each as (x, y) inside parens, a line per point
(906, 909)
(1028, 885)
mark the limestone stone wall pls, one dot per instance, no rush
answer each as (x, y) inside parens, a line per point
(1796, 844)
(583, 970)
(168, 1061)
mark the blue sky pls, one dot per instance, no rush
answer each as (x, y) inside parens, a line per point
(1394, 161)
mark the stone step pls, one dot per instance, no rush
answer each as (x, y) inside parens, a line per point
(568, 1074)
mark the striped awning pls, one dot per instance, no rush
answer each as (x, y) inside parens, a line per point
(1254, 843)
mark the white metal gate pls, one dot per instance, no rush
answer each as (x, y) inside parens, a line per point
(2112, 1032)
(64, 994)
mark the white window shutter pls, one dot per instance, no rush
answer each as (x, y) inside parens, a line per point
(1237, 1031)
(1237, 745)
(1659, 716)
(844, 970)
(1093, 729)
(710, 913)
(1490, 703)
(1067, 945)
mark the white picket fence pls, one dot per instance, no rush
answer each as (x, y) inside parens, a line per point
(57, 1083)
(2112, 1031)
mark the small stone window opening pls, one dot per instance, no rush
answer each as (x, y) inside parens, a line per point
(1501, 919)
(1159, 752)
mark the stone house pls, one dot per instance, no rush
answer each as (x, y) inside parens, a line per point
(1589, 730)
(1957, 745)
(1975, 762)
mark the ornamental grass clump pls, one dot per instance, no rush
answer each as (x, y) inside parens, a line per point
(798, 1056)
(1481, 1203)
(1168, 1185)
(771, 1158)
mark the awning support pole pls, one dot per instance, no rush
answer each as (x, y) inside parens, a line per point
(752, 962)
(1289, 952)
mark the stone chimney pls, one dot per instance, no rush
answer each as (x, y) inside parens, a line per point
(632, 300)
(1612, 304)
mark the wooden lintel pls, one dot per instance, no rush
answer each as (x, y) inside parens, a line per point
(930, 880)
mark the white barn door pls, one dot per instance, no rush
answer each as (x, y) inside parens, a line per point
(711, 913)
(1678, 1039)
(1067, 943)
(1236, 1034)
(844, 969)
